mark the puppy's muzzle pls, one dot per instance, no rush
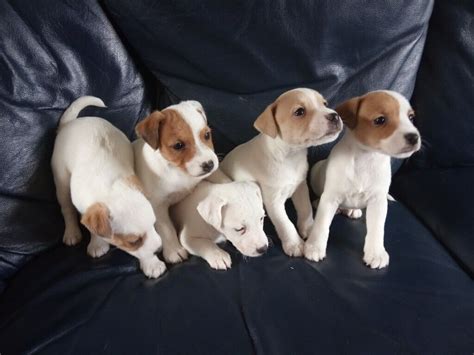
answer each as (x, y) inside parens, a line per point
(207, 166)
(262, 249)
(412, 138)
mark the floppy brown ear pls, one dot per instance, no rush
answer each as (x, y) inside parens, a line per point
(149, 129)
(349, 111)
(97, 220)
(266, 122)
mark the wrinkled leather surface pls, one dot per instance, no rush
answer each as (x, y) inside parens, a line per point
(444, 94)
(51, 52)
(66, 302)
(442, 199)
(237, 57)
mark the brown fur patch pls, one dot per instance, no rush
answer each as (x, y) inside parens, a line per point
(202, 137)
(148, 129)
(266, 123)
(97, 220)
(130, 242)
(359, 115)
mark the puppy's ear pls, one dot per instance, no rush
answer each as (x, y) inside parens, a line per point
(349, 111)
(149, 129)
(97, 220)
(266, 122)
(210, 210)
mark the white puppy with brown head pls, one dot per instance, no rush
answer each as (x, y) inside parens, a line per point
(93, 171)
(173, 155)
(357, 173)
(277, 159)
(213, 213)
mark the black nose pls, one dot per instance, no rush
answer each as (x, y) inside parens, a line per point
(332, 117)
(207, 166)
(262, 250)
(412, 138)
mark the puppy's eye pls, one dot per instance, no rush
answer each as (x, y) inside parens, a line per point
(179, 145)
(379, 121)
(261, 219)
(411, 117)
(299, 112)
(325, 103)
(207, 135)
(240, 230)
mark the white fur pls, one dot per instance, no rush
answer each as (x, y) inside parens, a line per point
(215, 212)
(167, 184)
(354, 177)
(90, 161)
(280, 170)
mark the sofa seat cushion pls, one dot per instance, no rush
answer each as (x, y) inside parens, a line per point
(65, 302)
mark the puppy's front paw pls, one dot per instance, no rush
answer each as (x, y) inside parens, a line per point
(304, 228)
(293, 248)
(219, 259)
(352, 213)
(174, 254)
(72, 236)
(314, 251)
(97, 248)
(376, 259)
(152, 267)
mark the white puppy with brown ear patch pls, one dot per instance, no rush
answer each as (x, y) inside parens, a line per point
(277, 159)
(174, 154)
(93, 171)
(216, 212)
(357, 173)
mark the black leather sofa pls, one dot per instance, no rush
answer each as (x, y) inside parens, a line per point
(236, 57)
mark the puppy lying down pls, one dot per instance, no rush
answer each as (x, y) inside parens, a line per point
(213, 213)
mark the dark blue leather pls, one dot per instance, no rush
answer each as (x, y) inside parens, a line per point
(442, 199)
(237, 58)
(65, 302)
(51, 52)
(444, 93)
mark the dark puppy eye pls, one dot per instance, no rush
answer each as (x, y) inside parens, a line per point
(325, 103)
(207, 135)
(179, 145)
(261, 219)
(379, 121)
(411, 117)
(299, 112)
(240, 230)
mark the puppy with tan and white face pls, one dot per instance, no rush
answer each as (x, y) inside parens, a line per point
(216, 212)
(277, 158)
(94, 174)
(357, 173)
(173, 154)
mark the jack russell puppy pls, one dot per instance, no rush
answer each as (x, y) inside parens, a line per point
(277, 159)
(173, 154)
(213, 213)
(93, 171)
(357, 173)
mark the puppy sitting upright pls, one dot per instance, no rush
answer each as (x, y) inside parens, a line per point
(174, 154)
(357, 172)
(215, 212)
(93, 171)
(277, 159)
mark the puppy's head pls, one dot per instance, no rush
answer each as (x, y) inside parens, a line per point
(301, 118)
(238, 214)
(181, 134)
(125, 218)
(382, 121)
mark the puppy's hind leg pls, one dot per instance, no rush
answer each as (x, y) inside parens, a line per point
(205, 248)
(72, 232)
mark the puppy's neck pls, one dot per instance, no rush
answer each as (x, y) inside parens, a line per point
(279, 149)
(155, 161)
(359, 149)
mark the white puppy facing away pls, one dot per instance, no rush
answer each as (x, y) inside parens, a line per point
(216, 212)
(173, 154)
(93, 171)
(357, 173)
(277, 159)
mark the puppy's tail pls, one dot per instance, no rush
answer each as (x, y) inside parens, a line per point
(77, 106)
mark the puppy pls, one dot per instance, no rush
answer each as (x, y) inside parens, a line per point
(215, 212)
(173, 154)
(357, 172)
(93, 171)
(277, 159)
